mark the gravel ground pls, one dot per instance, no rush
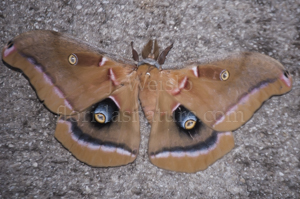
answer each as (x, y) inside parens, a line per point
(265, 160)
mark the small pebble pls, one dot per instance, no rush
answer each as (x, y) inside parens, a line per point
(281, 174)
(87, 189)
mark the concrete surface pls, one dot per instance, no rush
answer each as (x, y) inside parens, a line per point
(265, 160)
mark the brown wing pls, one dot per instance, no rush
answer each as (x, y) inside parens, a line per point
(171, 146)
(79, 83)
(68, 75)
(104, 144)
(225, 94)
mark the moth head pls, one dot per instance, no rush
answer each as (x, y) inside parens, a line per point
(151, 55)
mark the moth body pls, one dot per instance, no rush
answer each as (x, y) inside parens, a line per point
(192, 111)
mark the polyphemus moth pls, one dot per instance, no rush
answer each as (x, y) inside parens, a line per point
(192, 111)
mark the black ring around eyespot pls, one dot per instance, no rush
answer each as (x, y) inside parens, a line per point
(180, 114)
